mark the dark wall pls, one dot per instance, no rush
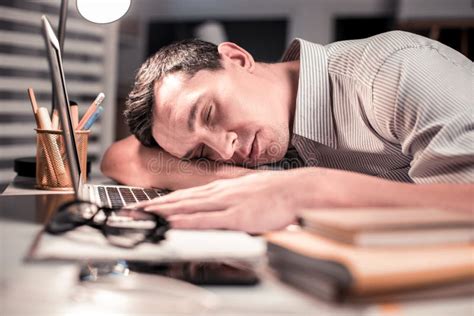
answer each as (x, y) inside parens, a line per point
(355, 27)
(264, 39)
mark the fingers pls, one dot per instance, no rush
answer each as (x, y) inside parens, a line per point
(204, 220)
(187, 206)
(173, 198)
(194, 193)
(191, 193)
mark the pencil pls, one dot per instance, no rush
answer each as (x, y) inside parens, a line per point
(91, 110)
(52, 153)
(74, 113)
(55, 120)
(94, 118)
(34, 104)
(43, 118)
(44, 143)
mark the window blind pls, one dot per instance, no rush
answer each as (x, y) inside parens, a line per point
(89, 63)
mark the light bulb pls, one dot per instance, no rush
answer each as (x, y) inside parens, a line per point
(103, 11)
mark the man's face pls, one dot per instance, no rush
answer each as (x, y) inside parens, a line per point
(226, 115)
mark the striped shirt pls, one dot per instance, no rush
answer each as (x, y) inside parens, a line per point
(397, 106)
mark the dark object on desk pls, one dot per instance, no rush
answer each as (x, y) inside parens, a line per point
(26, 167)
(202, 272)
(198, 273)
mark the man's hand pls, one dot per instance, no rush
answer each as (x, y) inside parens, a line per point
(253, 203)
(272, 200)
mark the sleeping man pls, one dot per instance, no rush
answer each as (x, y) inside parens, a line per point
(382, 121)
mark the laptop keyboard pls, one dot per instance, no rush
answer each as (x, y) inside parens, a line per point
(120, 197)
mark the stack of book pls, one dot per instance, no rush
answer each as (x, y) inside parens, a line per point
(369, 254)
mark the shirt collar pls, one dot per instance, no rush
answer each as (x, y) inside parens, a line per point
(313, 113)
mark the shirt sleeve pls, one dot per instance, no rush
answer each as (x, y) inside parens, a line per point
(423, 100)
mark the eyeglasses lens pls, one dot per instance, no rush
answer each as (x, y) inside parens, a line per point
(127, 228)
(70, 216)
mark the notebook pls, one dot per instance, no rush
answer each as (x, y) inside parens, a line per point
(336, 271)
(379, 227)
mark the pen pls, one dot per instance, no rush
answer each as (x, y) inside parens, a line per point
(91, 110)
(93, 118)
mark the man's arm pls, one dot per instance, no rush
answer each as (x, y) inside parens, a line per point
(130, 163)
(272, 200)
(424, 101)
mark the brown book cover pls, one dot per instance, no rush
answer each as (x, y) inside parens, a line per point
(374, 271)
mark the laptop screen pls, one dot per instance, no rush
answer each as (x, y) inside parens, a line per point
(59, 83)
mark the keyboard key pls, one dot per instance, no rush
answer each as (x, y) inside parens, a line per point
(103, 196)
(114, 196)
(140, 194)
(127, 196)
(151, 193)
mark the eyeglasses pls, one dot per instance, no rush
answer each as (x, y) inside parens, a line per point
(123, 228)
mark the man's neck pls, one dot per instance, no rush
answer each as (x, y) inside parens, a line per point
(284, 78)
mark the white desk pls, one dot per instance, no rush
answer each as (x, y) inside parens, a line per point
(26, 186)
(48, 288)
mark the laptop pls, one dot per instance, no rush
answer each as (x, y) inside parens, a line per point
(113, 196)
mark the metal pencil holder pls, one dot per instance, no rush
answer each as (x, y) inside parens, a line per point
(52, 166)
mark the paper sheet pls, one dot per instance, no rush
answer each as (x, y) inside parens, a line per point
(88, 243)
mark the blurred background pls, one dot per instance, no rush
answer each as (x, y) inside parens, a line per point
(106, 57)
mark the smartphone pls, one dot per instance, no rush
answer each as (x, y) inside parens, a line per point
(202, 273)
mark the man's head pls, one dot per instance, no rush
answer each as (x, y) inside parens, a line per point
(195, 99)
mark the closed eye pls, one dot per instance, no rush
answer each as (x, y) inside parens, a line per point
(208, 116)
(207, 120)
(201, 155)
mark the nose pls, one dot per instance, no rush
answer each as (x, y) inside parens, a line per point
(223, 143)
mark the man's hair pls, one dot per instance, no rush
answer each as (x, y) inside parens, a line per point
(188, 57)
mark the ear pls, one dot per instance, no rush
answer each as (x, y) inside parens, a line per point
(236, 55)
